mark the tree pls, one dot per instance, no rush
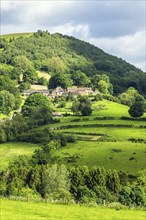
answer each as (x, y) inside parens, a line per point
(56, 179)
(3, 136)
(42, 81)
(75, 107)
(7, 102)
(22, 63)
(59, 79)
(55, 65)
(37, 110)
(30, 75)
(113, 181)
(86, 110)
(37, 100)
(132, 195)
(103, 86)
(7, 84)
(128, 97)
(136, 110)
(80, 79)
(83, 106)
(24, 86)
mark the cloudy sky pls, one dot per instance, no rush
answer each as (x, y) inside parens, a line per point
(116, 26)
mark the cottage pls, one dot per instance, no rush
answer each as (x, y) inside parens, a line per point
(30, 92)
(57, 92)
(80, 91)
(75, 91)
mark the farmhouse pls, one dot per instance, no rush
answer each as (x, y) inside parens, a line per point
(79, 91)
(30, 92)
(57, 92)
(75, 91)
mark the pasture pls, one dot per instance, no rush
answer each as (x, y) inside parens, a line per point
(9, 151)
(125, 156)
(43, 211)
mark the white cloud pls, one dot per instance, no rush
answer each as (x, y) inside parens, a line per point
(72, 30)
(130, 48)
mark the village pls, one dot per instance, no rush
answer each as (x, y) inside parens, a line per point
(59, 91)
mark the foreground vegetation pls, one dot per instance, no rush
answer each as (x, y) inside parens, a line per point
(41, 211)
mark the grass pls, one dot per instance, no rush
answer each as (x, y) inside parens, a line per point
(111, 155)
(108, 108)
(19, 210)
(2, 116)
(38, 87)
(43, 74)
(16, 35)
(89, 150)
(9, 151)
(112, 133)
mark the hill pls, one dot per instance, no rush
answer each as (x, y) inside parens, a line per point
(74, 55)
(103, 139)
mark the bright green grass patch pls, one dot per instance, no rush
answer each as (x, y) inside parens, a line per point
(112, 133)
(43, 74)
(126, 156)
(9, 151)
(40, 211)
(108, 109)
(94, 122)
(38, 87)
(111, 109)
(2, 116)
(16, 35)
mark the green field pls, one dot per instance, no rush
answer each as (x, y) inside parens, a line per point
(104, 142)
(99, 142)
(9, 151)
(112, 133)
(125, 156)
(40, 211)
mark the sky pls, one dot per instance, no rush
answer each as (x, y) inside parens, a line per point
(115, 26)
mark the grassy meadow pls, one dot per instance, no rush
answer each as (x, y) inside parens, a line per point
(99, 141)
(41, 211)
(9, 151)
(104, 142)
(125, 156)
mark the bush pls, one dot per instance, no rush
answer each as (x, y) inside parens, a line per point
(132, 195)
(116, 205)
(103, 194)
(71, 139)
(61, 105)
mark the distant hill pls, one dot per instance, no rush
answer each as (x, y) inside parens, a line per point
(74, 54)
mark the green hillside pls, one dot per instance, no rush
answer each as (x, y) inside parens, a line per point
(104, 141)
(74, 55)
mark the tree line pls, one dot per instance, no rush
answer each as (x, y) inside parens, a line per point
(83, 185)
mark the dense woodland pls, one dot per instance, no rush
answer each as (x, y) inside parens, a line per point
(69, 62)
